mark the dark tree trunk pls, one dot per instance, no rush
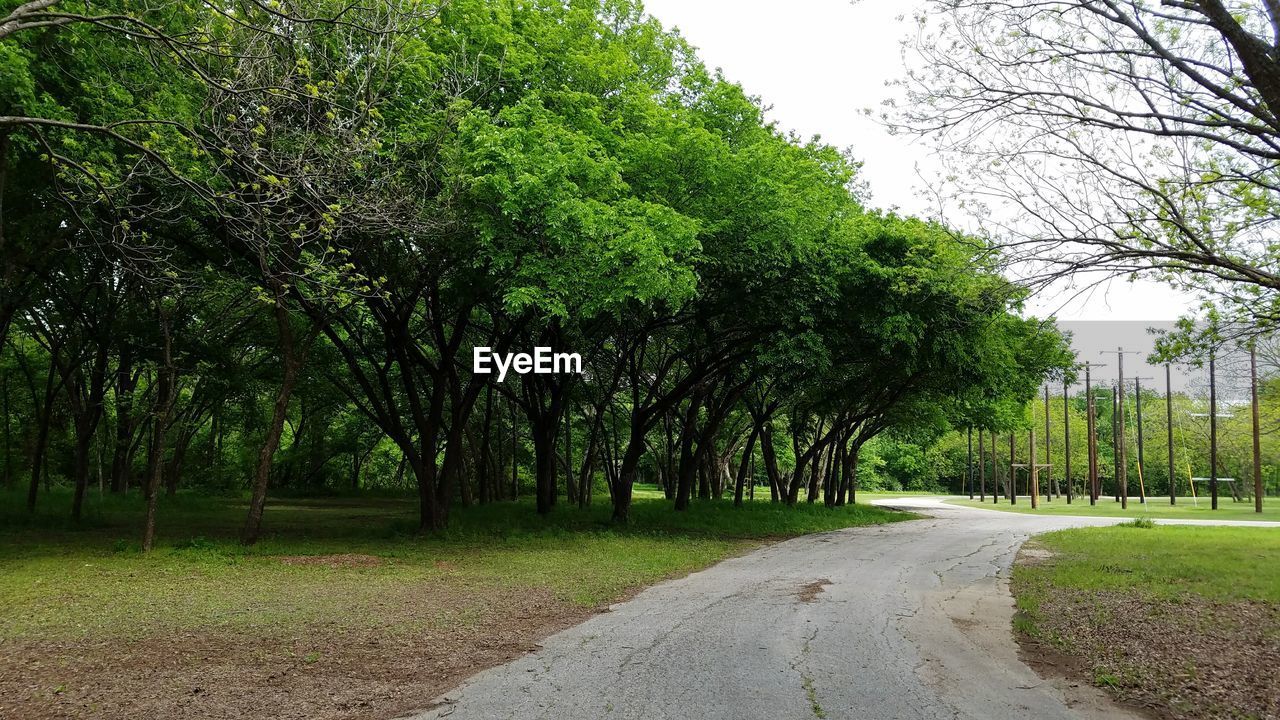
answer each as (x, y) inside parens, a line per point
(160, 424)
(483, 477)
(570, 487)
(457, 468)
(626, 477)
(4, 391)
(770, 461)
(544, 454)
(745, 465)
(122, 452)
(669, 474)
(86, 407)
(853, 471)
(588, 458)
(293, 357)
(705, 470)
(687, 468)
(43, 421)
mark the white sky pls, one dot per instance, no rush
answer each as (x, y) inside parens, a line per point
(819, 63)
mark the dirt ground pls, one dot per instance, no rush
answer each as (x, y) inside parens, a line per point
(1190, 659)
(376, 671)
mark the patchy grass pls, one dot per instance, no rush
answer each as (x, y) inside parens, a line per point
(1155, 507)
(340, 592)
(1185, 619)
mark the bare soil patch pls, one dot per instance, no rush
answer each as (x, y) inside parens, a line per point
(386, 669)
(809, 591)
(1193, 658)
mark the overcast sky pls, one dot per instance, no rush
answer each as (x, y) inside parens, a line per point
(818, 63)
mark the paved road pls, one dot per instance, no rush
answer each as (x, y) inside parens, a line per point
(909, 620)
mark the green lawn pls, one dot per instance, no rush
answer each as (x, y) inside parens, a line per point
(1167, 562)
(1185, 620)
(1155, 507)
(91, 581)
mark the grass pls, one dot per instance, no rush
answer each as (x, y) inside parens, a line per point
(59, 581)
(1182, 619)
(1155, 507)
(1160, 562)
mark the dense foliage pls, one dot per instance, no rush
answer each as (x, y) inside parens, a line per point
(253, 247)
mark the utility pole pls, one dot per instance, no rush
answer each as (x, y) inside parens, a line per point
(1213, 432)
(1257, 441)
(1013, 475)
(1091, 418)
(1066, 436)
(1115, 451)
(969, 474)
(1168, 409)
(1033, 474)
(1122, 469)
(995, 472)
(1142, 472)
(982, 471)
(1048, 454)
(1115, 443)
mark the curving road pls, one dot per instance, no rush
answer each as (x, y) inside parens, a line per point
(909, 620)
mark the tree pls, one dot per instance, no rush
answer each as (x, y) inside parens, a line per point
(1118, 136)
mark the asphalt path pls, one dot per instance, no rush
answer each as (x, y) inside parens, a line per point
(907, 620)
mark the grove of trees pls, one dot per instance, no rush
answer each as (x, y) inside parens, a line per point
(250, 246)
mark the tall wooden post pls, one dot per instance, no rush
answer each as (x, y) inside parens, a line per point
(982, 470)
(1048, 454)
(995, 472)
(1115, 443)
(1122, 464)
(1066, 437)
(1137, 406)
(1033, 472)
(1013, 475)
(1168, 411)
(1213, 432)
(968, 476)
(1092, 437)
(1257, 441)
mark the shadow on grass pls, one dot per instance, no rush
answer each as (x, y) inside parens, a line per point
(198, 522)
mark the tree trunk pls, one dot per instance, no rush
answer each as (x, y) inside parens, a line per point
(627, 476)
(770, 461)
(164, 403)
(483, 477)
(545, 462)
(853, 472)
(570, 488)
(588, 458)
(4, 391)
(86, 414)
(745, 465)
(687, 468)
(279, 412)
(44, 420)
(121, 455)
